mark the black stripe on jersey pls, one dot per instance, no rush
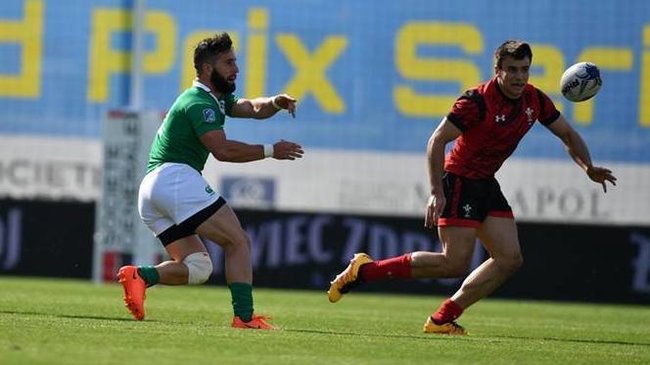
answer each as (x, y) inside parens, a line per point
(474, 96)
(542, 107)
(477, 98)
(455, 120)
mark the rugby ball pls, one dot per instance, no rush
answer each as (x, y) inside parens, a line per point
(580, 82)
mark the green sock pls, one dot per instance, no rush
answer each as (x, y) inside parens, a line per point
(149, 274)
(242, 300)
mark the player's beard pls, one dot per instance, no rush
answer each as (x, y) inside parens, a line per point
(221, 84)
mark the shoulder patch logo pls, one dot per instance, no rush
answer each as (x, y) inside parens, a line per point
(209, 115)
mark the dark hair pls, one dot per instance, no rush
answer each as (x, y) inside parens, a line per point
(209, 48)
(512, 48)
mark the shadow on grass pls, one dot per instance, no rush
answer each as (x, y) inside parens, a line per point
(72, 316)
(384, 335)
(576, 340)
(366, 334)
(469, 337)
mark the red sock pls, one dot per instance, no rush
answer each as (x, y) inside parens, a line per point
(447, 312)
(396, 267)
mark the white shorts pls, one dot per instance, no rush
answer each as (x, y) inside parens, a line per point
(172, 193)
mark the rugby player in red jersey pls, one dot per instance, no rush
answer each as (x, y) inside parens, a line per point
(466, 202)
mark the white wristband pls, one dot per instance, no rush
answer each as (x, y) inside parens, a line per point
(275, 105)
(268, 150)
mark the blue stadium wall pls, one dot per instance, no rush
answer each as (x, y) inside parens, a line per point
(359, 68)
(373, 79)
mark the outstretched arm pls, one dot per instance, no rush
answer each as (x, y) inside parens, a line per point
(227, 150)
(263, 107)
(579, 152)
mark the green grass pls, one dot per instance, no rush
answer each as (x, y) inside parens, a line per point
(76, 322)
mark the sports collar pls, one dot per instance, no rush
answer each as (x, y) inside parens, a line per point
(503, 95)
(200, 85)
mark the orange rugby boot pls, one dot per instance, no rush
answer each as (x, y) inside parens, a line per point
(257, 323)
(134, 290)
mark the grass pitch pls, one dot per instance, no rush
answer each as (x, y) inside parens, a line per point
(76, 322)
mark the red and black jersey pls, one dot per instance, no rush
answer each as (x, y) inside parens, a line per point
(492, 126)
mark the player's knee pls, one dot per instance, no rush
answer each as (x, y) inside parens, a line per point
(516, 262)
(456, 266)
(243, 239)
(239, 241)
(199, 267)
(511, 264)
(457, 269)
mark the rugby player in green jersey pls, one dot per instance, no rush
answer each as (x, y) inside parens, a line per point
(177, 203)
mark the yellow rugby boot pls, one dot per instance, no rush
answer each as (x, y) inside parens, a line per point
(348, 278)
(449, 328)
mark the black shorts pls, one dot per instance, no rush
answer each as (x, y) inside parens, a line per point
(470, 201)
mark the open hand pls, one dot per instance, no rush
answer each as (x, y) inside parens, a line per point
(601, 175)
(435, 205)
(286, 150)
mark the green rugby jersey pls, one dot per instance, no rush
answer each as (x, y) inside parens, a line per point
(194, 113)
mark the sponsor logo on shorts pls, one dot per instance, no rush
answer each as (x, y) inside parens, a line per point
(468, 209)
(209, 190)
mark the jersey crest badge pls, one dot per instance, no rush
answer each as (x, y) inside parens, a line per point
(529, 113)
(209, 115)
